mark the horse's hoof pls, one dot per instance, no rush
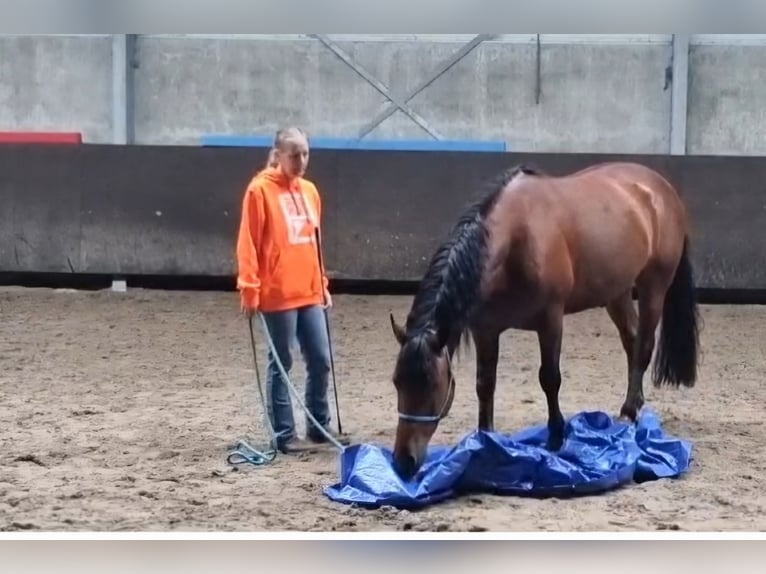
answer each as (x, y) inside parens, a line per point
(628, 414)
(627, 421)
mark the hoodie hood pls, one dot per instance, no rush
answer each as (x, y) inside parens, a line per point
(277, 176)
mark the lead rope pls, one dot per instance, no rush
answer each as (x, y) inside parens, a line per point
(295, 394)
(245, 453)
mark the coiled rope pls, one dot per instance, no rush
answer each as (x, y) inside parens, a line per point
(243, 452)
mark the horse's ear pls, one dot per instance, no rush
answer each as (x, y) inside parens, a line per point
(398, 331)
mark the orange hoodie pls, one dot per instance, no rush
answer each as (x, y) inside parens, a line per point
(278, 265)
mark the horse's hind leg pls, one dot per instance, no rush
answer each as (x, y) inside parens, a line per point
(651, 295)
(549, 336)
(624, 316)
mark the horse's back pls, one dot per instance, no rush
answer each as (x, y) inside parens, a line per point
(631, 176)
(589, 234)
(620, 189)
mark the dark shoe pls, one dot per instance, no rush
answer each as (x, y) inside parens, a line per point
(319, 438)
(296, 445)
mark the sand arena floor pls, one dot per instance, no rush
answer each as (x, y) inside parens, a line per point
(118, 409)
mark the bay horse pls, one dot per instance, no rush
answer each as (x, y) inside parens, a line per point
(534, 249)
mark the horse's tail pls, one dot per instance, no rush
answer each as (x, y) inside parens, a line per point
(677, 352)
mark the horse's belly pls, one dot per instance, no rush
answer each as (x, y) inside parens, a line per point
(605, 268)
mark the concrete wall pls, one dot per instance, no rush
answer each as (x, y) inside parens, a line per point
(592, 95)
(727, 93)
(597, 94)
(56, 83)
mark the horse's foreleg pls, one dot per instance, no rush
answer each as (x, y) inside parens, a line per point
(487, 350)
(650, 301)
(549, 336)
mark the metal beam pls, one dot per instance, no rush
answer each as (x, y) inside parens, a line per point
(123, 63)
(679, 94)
(377, 84)
(523, 39)
(441, 69)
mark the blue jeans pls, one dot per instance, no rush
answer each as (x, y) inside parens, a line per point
(307, 326)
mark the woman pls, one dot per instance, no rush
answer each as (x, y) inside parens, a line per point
(279, 275)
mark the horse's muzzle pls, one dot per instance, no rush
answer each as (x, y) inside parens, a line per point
(406, 466)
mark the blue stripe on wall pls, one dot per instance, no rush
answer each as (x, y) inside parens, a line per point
(350, 143)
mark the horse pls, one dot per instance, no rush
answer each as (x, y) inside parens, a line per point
(532, 250)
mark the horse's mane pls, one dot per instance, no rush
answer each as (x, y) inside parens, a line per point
(450, 287)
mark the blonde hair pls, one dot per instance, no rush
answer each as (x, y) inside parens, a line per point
(271, 161)
(287, 133)
(280, 137)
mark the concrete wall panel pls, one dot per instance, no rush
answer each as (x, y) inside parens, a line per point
(57, 84)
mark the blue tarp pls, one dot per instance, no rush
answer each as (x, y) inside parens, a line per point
(599, 453)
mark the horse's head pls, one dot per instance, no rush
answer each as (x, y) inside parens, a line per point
(425, 389)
